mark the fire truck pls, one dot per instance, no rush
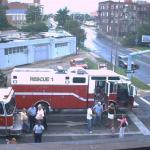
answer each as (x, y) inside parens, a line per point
(74, 88)
(10, 122)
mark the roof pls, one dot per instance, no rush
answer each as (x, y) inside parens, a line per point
(17, 5)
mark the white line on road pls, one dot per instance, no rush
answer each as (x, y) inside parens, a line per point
(135, 104)
(144, 100)
(144, 130)
(84, 134)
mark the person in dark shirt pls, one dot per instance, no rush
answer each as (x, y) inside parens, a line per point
(111, 116)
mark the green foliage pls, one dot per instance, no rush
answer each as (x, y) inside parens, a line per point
(34, 14)
(37, 27)
(67, 23)
(140, 84)
(3, 79)
(3, 20)
(143, 29)
(62, 16)
(74, 28)
(129, 40)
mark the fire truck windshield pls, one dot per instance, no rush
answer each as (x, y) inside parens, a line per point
(10, 106)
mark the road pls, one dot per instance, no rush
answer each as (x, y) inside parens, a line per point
(104, 47)
(71, 125)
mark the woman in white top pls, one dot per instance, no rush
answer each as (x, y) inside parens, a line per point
(40, 114)
(89, 119)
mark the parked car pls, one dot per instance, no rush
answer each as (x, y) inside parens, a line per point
(78, 62)
(123, 62)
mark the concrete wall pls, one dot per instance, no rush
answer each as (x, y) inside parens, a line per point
(19, 52)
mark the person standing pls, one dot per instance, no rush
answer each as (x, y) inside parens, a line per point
(38, 131)
(98, 109)
(111, 116)
(24, 119)
(89, 119)
(31, 113)
(123, 123)
(40, 114)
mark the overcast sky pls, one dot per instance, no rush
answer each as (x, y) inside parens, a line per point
(53, 6)
(83, 6)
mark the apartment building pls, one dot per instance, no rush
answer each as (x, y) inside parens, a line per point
(119, 18)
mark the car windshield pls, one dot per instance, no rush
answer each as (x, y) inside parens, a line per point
(79, 62)
(10, 106)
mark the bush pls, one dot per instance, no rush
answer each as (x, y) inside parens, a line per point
(37, 27)
(129, 40)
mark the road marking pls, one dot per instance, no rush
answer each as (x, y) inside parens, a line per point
(67, 123)
(144, 100)
(144, 130)
(84, 134)
(135, 104)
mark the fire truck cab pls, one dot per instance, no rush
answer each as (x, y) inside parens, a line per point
(75, 88)
(10, 123)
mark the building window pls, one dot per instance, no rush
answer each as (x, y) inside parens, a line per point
(14, 50)
(61, 44)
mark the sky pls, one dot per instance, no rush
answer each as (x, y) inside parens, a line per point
(73, 5)
(83, 6)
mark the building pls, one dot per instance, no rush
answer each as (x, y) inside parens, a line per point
(3, 2)
(44, 46)
(16, 12)
(120, 18)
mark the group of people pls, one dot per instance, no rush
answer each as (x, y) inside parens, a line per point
(34, 120)
(94, 116)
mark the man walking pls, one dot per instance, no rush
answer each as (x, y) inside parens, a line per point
(98, 109)
(31, 113)
(38, 131)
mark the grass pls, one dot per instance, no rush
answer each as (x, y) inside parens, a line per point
(142, 48)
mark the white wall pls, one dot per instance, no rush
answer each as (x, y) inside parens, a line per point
(50, 48)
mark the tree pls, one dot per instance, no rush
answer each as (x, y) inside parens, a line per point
(34, 14)
(3, 79)
(3, 20)
(67, 23)
(36, 27)
(62, 16)
(35, 20)
(74, 28)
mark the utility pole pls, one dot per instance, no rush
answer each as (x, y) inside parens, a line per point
(117, 35)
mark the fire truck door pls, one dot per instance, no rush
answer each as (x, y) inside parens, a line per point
(132, 91)
(107, 88)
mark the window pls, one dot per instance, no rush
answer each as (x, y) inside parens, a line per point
(79, 80)
(61, 44)
(15, 50)
(98, 78)
(10, 106)
(1, 109)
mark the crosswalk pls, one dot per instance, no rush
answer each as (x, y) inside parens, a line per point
(139, 124)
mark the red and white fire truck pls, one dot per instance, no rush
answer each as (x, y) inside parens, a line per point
(75, 88)
(10, 123)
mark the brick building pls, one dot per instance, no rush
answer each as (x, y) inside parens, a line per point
(119, 18)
